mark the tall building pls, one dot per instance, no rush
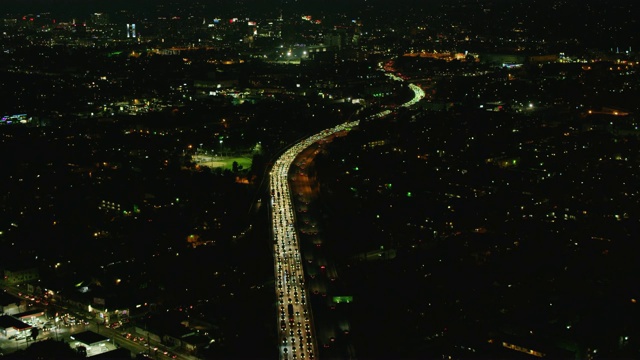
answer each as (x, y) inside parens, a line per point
(131, 31)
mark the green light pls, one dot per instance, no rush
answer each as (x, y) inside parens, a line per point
(409, 194)
(342, 299)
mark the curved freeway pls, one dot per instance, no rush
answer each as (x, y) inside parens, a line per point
(297, 338)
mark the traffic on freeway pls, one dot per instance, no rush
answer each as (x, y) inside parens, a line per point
(297, 338)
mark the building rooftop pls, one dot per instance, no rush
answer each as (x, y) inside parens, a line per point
(89, 338)
(7, 321)
(34, 312)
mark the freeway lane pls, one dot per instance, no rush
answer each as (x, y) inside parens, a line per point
(297, 334)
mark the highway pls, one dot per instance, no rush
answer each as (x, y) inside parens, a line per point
(297, 337)
(296, 331)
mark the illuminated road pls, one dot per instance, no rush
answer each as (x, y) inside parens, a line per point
(296, 331)
(297, 338)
